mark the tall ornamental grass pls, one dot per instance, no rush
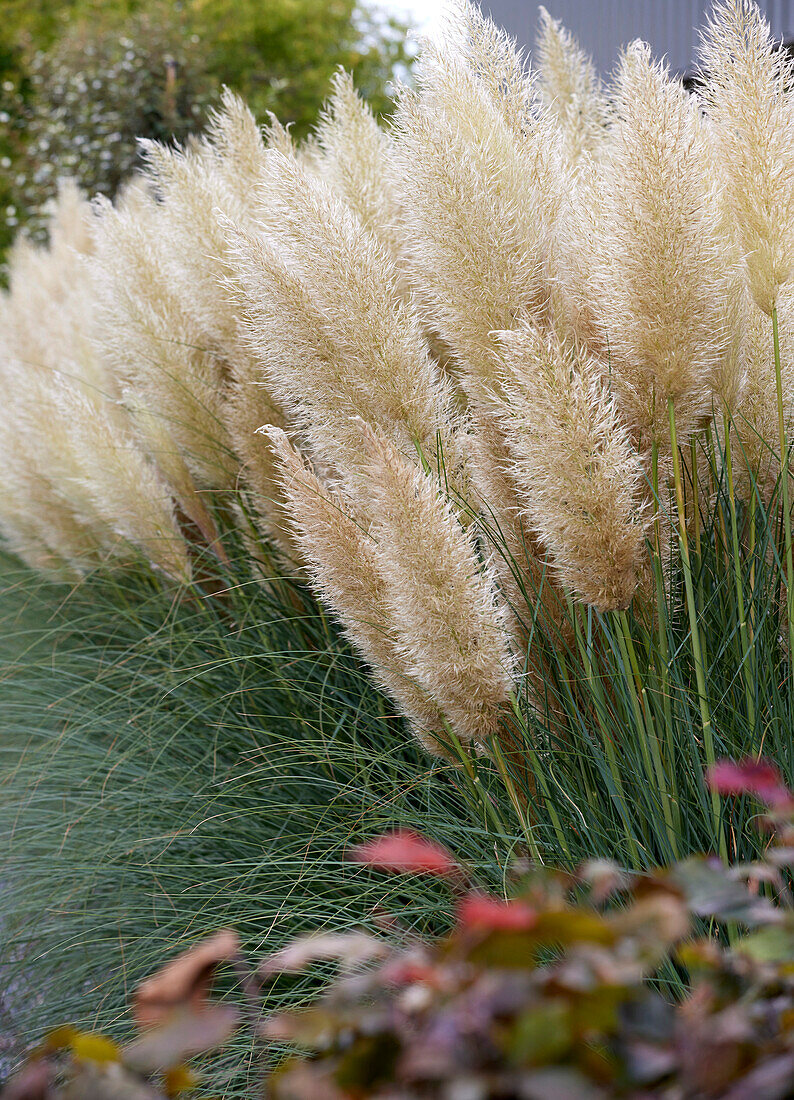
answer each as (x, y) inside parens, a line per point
(504, 386)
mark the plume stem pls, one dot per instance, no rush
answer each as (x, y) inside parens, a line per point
(746, 654)
(784, 463)
(649, 744)
(481, 795)
(539, 773)
(693, 453)
(520, 812)
(694, 630)
(601, 708)
(661, 593)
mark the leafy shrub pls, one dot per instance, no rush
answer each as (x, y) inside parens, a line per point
(75, 107)
(281, 57)
(89, 97)
(546, 994)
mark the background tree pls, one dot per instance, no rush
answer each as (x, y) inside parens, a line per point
(82, 82)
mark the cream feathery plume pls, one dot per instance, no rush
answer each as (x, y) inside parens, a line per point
(70, 227)
(250, 414)
(356, 162)
(278, 137)
(518, 559)
(44, 519)
(254, 399)
(196, 199)
(493, 57)
(579, 478)
(121, 484)
(172, 384)
(37, 524)
(750, 103)
(41, 486)
(236, 145)
(35, 359)
(198, 187)
(450, 629)
(52, 282)
(93, 490)
(333, 336)
(344, 569)
(570, 89)
(480, 185)
(663, 290)
(579, 256)
(191, 190)
(43, 541)
(85, 468)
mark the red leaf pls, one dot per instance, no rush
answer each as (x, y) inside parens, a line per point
(407, 972)
(404, 851)
(758, 777)
(486, 913)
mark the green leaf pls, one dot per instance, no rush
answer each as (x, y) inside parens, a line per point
(710, 892)
(369, 1061)
(542, 1034)
(770, 945)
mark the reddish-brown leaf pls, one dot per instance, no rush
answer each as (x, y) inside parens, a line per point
(185, 982)
(758, 777)
(404, 851)
(486, 913)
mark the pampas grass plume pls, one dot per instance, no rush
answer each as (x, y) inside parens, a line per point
(664, 276)
(580, 481)
(750, 104)
(450, 627)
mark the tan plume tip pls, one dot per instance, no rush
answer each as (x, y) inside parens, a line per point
(441, 598)
(481, 177)
(579, 479)
(356, 161)
(344, 568)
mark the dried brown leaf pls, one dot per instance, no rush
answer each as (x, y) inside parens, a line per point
(185, 982)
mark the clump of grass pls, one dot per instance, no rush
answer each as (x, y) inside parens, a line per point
(639, 701)
(173, 762)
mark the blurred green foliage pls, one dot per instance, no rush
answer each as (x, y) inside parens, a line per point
(280, 56)
(81, 80)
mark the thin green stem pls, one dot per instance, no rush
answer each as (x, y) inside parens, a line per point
(601, 710)
(649, 744)
(526, 828)
(540, 775)
(784, 488)
(476, 783)
(746, 654)
(694, 630)
(693, 458)
(661, 613)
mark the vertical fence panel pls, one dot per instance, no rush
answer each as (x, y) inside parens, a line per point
(603, 26)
